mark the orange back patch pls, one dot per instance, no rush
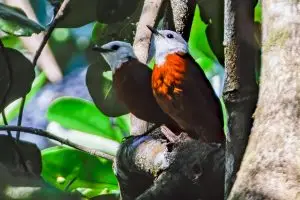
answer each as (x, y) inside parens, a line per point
(167, 78)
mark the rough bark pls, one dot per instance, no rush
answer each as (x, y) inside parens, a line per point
(183, 14)
(240, 91)
(148, 167)
(270, 167)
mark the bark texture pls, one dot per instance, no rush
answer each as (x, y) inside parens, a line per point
(271, 165)
(148, 167)
(183, 14)
(240, 90)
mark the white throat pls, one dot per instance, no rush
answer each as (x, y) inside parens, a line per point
(115, 64)
(160, 57)
(168, 42)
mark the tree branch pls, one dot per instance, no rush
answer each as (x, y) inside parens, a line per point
(49, 135)
(58, 16)
(149, 17)
(147, 167)
(240, 91)
(183, 15)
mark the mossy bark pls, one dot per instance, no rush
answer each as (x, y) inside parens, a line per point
(270, 167)
(240, 90)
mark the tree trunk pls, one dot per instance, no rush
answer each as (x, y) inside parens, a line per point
(240, 90)
(271, 164)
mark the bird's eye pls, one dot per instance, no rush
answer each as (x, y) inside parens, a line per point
(170, 36)
(115, 47)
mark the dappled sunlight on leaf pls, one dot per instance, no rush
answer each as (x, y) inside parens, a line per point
(88, 171)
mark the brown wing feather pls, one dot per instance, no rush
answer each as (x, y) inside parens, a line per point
(132, 82)
(183, 91)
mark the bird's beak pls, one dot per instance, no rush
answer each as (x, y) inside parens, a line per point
(100, 49)
(153, 30)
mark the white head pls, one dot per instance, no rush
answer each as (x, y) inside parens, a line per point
(116, 53)
(167, 42)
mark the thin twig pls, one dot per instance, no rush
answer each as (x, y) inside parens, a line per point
(49, 135)
(20, 117)
(58, 15)
(6, 123)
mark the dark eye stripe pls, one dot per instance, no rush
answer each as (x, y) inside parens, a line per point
(115, 47)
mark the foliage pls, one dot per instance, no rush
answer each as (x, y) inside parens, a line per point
(104, 97)
(89, 175)
(83, 116)
(15, 21)
(106, 118)
(16, 76)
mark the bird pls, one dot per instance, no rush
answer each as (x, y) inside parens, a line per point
(182, 90)
(132, 82)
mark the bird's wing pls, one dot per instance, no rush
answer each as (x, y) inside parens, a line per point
(212, 100)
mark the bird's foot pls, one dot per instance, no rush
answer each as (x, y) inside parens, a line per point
(143, 134)
(173, 138)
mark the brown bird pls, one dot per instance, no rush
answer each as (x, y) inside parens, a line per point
(132, 82)
(182, 89)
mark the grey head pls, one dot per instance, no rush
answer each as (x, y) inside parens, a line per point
(167, 42)
(115, 53)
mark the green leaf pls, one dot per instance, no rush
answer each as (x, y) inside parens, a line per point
(124, 123)
(26, 186)
(107, 197)
(99, 193)
(12, 41)
(82, 115)
(22, 76)
(198, 42)
(30, 152)
(14, 21)
(95, 142)
(212, 14)
(12, 110)
(258, 12)
(102, 91)
(110, 12)
(78, 13)
(62, 165)
(118, 31)
(205, 62)
(123, 30)
(99, 34)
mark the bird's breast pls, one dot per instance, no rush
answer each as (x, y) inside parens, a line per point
(168, 78)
